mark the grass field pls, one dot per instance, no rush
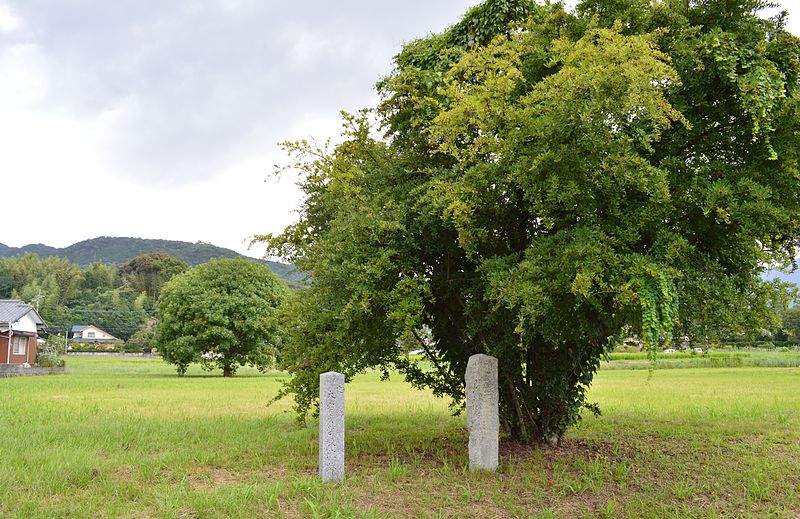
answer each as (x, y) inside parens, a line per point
(125, 437)
(789, 358)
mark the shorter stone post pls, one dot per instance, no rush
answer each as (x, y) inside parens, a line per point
(483, 414)
(331, 426)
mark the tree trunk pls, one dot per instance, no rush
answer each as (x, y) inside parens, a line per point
(539, 401)
(227, 371)
(531, 421)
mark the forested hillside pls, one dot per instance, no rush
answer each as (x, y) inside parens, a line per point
(119, 250)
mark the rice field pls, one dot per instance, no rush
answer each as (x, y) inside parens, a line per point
(126, 437)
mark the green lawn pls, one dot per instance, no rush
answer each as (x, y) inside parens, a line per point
(126, 437)
(787, 358)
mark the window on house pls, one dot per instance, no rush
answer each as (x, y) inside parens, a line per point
(90, 335)
(20, 344)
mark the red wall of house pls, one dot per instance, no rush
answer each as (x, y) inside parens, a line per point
(30, 358)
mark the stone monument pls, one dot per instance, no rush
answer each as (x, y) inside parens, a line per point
(331, 426)
(483, 418)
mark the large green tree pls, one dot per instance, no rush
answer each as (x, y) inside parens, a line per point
(149, 272)
(221, 314)
(549, 181)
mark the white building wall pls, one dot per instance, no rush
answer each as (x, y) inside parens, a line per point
(26, 324)
(98, 334)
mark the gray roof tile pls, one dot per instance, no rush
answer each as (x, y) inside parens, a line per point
(12, 310)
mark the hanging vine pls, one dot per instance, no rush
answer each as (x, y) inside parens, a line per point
(658, 302)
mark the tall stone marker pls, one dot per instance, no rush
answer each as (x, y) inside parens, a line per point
(331, 426)
(483, 414)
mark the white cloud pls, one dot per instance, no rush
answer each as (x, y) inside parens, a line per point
(169, 114)
(25, 77)
(9, 22)
(123, 119)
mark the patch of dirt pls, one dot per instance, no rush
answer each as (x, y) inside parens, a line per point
(124, 472)
(272, 473)
(597, 449)
(519, 451)
(451, 449)
(485, 508)
(212, 477)
(580, 505)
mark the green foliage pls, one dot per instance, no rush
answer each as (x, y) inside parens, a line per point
(51, 280)
(116, 347)
(790, 323)
(133, 346)
(116, 311)
(550, 181)
(48, 355)
(148, 273)
(144, 338)
(66, 296)
(6, 284)
(659, 308)
(222, 314)
(101, 275)
(116, 251)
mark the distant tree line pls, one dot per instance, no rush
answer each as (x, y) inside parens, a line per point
(119, 250)
(785, 334)
(220, 314)
(119, 299)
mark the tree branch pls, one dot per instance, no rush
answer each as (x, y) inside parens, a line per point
(430, 355)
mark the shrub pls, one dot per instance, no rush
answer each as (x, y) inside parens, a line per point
(94, 349)
(132, 347)
(49, 353)
(141, 341)
(725, 361)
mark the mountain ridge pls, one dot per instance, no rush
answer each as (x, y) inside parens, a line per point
(118, 250)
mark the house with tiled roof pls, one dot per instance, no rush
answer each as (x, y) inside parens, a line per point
(93, 336)
(20, 325)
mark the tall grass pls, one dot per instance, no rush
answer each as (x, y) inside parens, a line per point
(714, 359)
(676, 355)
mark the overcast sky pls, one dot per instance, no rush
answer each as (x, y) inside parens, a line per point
(160, 119)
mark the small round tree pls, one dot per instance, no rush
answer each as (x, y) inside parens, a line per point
(220, 314)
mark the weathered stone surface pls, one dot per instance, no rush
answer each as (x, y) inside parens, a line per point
(331, 426)
(483, 418)
(16, 370)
